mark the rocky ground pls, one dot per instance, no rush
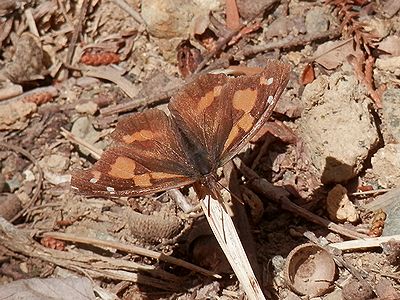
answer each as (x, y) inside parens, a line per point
(69, 70)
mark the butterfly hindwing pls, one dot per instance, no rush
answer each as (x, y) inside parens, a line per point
(147, 156)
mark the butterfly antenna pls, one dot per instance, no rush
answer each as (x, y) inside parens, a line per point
(230, 192)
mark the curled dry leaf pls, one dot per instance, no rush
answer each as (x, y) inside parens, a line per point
(310, 270)
(308, 75)
(188, 58)
(339, 207)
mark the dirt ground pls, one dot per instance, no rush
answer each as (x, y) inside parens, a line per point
(322, 174)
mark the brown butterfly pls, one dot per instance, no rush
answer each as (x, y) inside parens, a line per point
(210, 121)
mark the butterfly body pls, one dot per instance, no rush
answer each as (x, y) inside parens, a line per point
(210, 121)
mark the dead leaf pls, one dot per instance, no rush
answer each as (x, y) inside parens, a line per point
(188, 58)
(308, 75)
(27, 64)
(339, 207)
(332, 54)
(79, 288)
(232, 15)
(391, 45)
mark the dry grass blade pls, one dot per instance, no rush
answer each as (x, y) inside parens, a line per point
(113, 75)
(95, 265)
(131, 249)
(225, 232)
(365, 243)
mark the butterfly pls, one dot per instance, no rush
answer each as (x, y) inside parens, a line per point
(211, 119)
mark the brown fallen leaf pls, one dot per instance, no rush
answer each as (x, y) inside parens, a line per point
(232, 15)
(188, 58)
(330, 55)
(308, 75)
(391, 45)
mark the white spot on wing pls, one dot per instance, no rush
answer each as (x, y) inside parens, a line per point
(270, 99)
(93, 180)
(270, 81)
(110, 190)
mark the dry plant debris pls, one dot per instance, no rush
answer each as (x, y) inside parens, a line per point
(69, 70)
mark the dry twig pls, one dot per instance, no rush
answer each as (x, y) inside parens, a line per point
(77, 30)
(93, 264)
(131, 249)
(275, 194)
(38, 181)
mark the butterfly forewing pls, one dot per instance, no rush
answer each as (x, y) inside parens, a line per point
(221, 114)
(253, 99)
(203, 117)
(147, 156)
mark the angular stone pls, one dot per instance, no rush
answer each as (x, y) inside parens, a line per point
(337, 129)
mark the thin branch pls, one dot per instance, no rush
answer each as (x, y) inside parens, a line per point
(77, 31)
(275, 194)
(38, 181)
(131, 249)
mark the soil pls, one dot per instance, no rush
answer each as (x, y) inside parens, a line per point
(317, 171)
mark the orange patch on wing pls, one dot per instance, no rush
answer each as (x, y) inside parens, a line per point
(208, 99)
(246, 122)
(140, 136)
(162, 175)
(244, 99)
(232, 135)
(123, 168)
(142, 180)
(205, 101)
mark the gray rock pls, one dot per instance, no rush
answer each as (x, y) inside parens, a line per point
(337, 129)
(317, 20)
(386, 166)
(391, 113)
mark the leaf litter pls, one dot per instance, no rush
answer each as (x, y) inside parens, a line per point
(336, 125)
